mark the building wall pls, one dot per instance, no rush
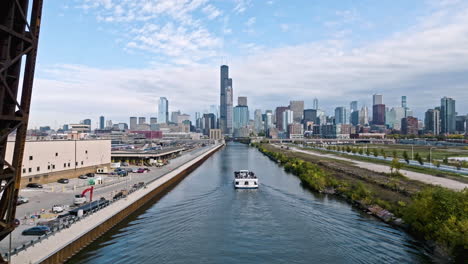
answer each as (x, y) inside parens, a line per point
(46, 161)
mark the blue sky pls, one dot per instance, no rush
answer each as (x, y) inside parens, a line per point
(116, 57)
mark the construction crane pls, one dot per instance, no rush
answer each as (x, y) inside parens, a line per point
(19, 37)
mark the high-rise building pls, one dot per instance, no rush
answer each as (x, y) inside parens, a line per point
(403, 102)
(298, 110)
(133, 123)
(432, 122)
(394, 116)
(141, 120)
(377, 99)
(226, 97)
(185, 117)
(102, 122)
(409, 126)
(241, 116)
(242, 100)
(447, 115)
(268, 120)
(215, 110)
(279, 117)
(315, 104)
(354, 119)
(108, 124)
(461, 124)
(364, 116)
(153, 120)
(310, 115)
(175, 116)
(353, 106)
(378, 110)
(258, 120)
(341, 115)
(208, 123)
(163, 110)
(288, 118)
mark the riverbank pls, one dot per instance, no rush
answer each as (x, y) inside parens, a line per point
(429, 212)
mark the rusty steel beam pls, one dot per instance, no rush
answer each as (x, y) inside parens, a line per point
(18, 43)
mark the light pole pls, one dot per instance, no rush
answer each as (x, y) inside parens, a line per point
(430, 156)
(412, 151)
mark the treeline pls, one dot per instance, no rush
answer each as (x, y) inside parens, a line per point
(435, 213)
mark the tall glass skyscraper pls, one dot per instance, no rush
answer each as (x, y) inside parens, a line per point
(226, 98)
(163, 110)
(447, 115)
(101, 122)
(241, 116)
(341, 115)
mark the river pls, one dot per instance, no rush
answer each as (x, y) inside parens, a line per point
(205, 220)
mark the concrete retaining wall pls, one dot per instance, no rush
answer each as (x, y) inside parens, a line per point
(63, 245)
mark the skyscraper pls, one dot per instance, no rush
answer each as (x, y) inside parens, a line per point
(133, 123)
(241, 116)
(353, 106)
(141, 120)
(364, 116)
(310, 115)
(298, 110)
(163, 110)
(378, 110)
(288, 118)
(258, 120)
(242, 100)
(341, 115)
(377, 99)
(226, 97)
(279, 116)
(432, 121)
(268, 120)
(175, 116)
(102, 122)
(315, 104)
(447, 115)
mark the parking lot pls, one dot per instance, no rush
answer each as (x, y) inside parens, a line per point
(42, 200)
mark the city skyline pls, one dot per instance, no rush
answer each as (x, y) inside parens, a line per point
(336, 62)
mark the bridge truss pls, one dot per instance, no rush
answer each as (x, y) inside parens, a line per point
(18, 48)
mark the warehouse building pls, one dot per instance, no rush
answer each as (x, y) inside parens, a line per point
(48, 161)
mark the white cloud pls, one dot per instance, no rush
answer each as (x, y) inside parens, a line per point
(425, 62)
(241, 6)
(250, 22)
(212, 11)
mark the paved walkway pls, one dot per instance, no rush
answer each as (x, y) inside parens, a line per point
(426, 178)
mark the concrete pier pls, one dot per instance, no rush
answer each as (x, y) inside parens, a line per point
(66, 243)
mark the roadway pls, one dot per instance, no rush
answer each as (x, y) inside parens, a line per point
(63, 194)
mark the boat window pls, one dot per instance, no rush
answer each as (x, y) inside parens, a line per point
(246, 183)
(255, 183)
(237, 182)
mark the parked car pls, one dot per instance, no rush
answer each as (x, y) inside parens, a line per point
(79, 199)
(120, 194)
(125, 164)
(57, 208)
(135, 170)
(83, 177)
(34, 185)
(36, 231)
(22, 200)
(122, 173)
(141, 170)
(90, 175)
(63, 181)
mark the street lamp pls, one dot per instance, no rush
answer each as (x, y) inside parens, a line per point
(430, 157)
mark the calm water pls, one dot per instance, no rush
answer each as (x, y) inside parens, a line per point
(205, 220)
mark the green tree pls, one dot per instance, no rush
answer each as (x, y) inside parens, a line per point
(376, 153)
(383, 154)
(445, 161)
(367, 151)
(354, 150)
(406, 157)
(418, 158)
(360, 151)
(394, 154)
(348, 149)
(436, 163)
(396, 165)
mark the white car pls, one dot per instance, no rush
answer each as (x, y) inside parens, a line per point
(57, 208)
(79, 199)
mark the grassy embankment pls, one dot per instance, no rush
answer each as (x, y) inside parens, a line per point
(433, 213)
(372, 151)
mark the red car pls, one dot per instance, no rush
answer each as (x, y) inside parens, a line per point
(141, 171)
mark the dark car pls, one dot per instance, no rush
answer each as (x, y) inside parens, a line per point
(90, 175)
(34, 185)
(36, 231)
(63, 180)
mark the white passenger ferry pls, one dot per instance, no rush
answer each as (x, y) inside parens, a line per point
(245, 179)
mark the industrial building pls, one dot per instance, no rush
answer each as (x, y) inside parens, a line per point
(48, 161)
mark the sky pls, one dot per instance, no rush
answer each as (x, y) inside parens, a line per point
(117, 57)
